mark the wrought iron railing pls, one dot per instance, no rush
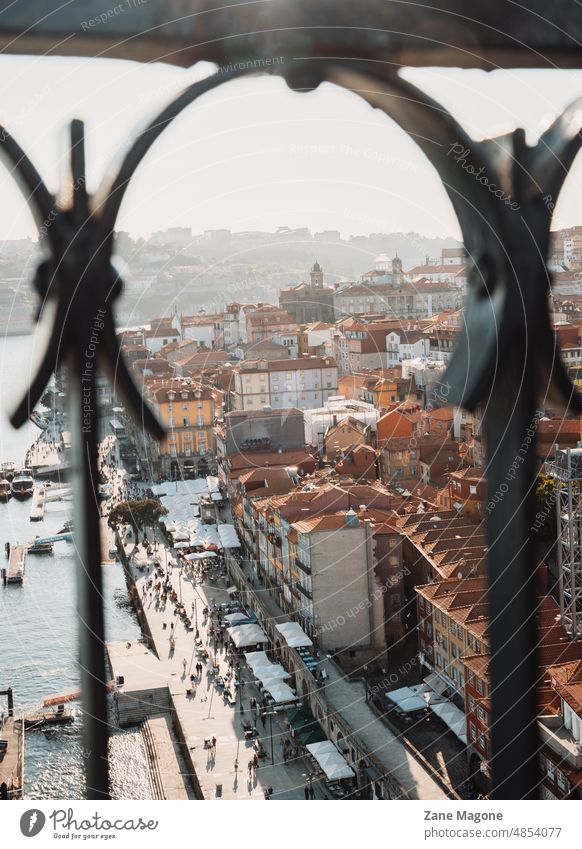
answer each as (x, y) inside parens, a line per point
(359, 46)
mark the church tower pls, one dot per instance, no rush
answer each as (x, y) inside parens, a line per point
(397, 271)
(316, 275)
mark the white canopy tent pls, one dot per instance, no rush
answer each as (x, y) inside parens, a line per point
(281, 692)
(453, 717)
(235, 618)
(201, 555)
(330, 760)
(256, 659)
(412, 699)
(294, 635)
(228, 536)
(247, 635)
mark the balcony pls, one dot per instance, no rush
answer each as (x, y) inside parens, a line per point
(304, 591)
(303, 566)
(560, 740)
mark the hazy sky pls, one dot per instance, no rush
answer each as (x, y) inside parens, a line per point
(255, 155)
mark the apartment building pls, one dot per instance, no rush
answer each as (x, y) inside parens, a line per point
(186, 410)
(331, 556)
(452, 622)
(559, 666)
(304, 383)
(267, 320)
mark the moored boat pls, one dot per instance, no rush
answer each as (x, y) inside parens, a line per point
(7, 470)
(38, 547)
(5, 490)
(22, 484)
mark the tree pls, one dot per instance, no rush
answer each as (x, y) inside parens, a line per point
(140, 513)
(546, 523)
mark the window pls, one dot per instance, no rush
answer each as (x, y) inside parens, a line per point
(421, 602)
(479, 686)
(171, 421)
(428, 606)
(459, 632)
(471, 704)
(454, 649)
(445, 644)
(562, 783)
(470, 640)
(439, 661)
(170, 408)
(480, 714)
(551, 770)
(470, 677)
(453, 627)
(185, 407)
(185, 421)
(482, 743)
(472, 731)
(477, 645)
(438, 638)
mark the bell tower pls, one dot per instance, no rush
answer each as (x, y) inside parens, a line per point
(316, 275)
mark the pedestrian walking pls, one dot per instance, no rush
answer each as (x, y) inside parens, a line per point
(184, 664)
(250, 770)
(306, 791)
(213, 744)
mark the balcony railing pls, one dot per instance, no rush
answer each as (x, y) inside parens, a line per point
(359, 47)
(303, 566)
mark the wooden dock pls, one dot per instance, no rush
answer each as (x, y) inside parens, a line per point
(13, 573)
(11, 758)
(38, 503)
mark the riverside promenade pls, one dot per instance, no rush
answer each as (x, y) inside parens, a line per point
(163, 676)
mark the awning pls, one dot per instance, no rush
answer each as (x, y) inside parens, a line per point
(453, 717)
(407, 699)
(436, 683)
(329, 759)
(228, 536)
(200, 555)
(311, 735)
(247, 635)
(239, 618)
(294, 635)
(281, 692)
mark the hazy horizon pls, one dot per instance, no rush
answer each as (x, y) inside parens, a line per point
(256, 156)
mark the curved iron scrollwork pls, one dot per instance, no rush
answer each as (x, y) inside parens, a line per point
(507, 351)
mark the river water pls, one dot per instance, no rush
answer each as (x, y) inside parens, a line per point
(38, 631)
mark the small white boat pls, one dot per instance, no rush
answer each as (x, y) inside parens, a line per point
(5, 489)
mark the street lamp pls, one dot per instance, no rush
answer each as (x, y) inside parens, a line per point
(426, 697)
